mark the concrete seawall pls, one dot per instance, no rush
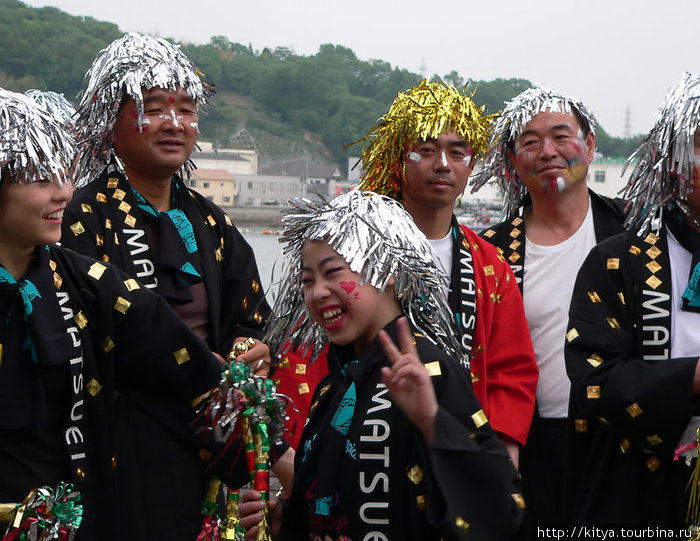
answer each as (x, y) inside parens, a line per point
(267, 215)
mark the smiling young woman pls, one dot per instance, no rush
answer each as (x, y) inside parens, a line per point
(72, 339)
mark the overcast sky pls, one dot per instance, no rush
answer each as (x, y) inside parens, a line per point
(610, 53)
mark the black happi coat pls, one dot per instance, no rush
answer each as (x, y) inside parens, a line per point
(104, 221)
(509, 236)
(126, 341)
(386, 480)
(630, 397)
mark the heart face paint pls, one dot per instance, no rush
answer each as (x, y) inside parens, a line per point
(349, 287)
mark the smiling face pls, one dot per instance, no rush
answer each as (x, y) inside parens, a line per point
(165, 141)
(551, 154)
(31, 213)
(348, 312)
(436, 172)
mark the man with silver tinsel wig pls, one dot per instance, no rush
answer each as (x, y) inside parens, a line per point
(421, 153)
(137, 124)
(632, 342)
(539, 156)
(78, 337)
(396, 446)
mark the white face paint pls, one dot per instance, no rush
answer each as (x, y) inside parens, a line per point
(414, 157)
(444, 159)
(144, 122)
(194, 124)
(172, 117)
(561, 184)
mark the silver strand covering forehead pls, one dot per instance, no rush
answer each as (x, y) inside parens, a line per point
(379, 240)
(34, 145)
(664, 163)
(122, 70)
(56, 104)
(514, 117)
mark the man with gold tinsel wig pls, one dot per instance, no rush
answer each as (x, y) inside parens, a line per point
(633, 343)
(421, 153)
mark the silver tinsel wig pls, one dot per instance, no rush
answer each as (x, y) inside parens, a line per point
(34, 144)
(514, 117)
(56, 104)
(379, 240)
(664, 161)
(122, 70)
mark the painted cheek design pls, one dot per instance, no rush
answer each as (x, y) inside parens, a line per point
(555, 184)
(413, 157)
(348, 286)
(573, 161)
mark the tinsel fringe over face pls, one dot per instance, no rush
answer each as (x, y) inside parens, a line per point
(122, 70)
(379, 240)
(497, 164)
(664, 162)
(34, 144)
(423, 112)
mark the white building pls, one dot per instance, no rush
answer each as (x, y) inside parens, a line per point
(235, 161)
(605, 176)
(256, 190)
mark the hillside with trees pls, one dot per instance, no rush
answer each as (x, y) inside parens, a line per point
(291, 104)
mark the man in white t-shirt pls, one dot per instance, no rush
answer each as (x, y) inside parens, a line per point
(540, 151)
(633, 340)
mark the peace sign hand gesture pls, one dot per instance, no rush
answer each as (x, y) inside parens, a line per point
(409, 382)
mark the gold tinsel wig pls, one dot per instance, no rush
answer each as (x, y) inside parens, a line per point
(423, 112)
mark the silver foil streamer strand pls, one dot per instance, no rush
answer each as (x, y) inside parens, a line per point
(663, 163)
(379, 240)
(122, 70)
(34, 144)
(56, 104)
(497, 164)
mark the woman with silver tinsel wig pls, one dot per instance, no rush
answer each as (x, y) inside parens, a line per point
(74, 335)
(396, 445)
(633, 343)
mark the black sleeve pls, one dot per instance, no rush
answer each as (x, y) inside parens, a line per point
(471, 479)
